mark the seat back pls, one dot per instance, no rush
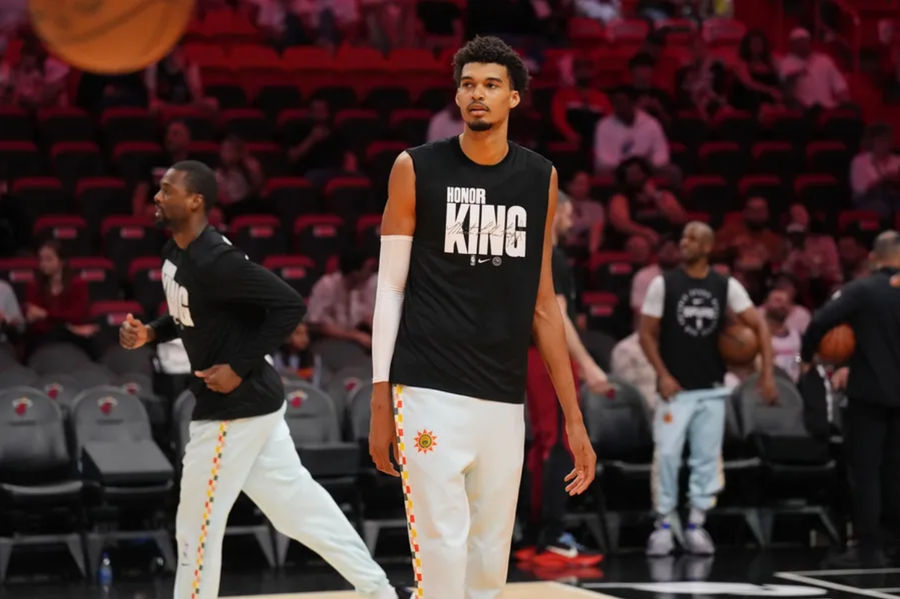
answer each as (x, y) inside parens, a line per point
(32, 435)
(344, 383)
(16, 375)
(108, 413)
(618, 423)
(310, 414)
(337, 354)
(62, 388)
(360, 412)
(754, 416)
(122, 361)
(58, 357)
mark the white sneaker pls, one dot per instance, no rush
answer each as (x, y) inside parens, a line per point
(661, 542)
(698, 541)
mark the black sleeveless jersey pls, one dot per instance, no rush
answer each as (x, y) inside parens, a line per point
(473, 273)
(693, 316)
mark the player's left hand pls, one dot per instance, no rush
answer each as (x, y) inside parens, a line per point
(582, 476)
(220, 378)
(767, 389)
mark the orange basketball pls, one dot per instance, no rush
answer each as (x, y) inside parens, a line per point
(738, 344)
(838, 344)
(110, 36)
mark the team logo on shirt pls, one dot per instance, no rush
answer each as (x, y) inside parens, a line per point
(698, 313)
(425, 441)
(176, 296)
(476, 228)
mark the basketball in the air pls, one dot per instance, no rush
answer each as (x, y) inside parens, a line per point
(838, 344)
(110, 36)
(738, 344)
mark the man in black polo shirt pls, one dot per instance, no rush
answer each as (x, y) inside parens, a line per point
(871, 306)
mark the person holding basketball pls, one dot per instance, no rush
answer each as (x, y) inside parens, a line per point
(871, 306)
(681, 319)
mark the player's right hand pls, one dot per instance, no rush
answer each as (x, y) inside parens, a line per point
(382, 431)
(133, 333)
(669, 387)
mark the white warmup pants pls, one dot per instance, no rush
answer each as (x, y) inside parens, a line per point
(257, 455)
(461, 464)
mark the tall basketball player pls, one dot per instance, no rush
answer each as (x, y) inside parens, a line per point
(465, 280)
(681, 319)
(230, 313)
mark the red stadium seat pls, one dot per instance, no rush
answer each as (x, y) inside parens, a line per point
(258, 235)
(787, 125)
(359, 126)
(69, 230)
(707, 193)
(206, 152)
(99, 197)
(128, 237)
(99, 274)
(724, 158)
(19, 272)
(128, 124)
(273, 97)
(319, 236)
(136, 159)
(380, 157)
(411, 125)
(289, 197)
(627, 31)
(723, 31)
(368, 234)
(603, 187)
(109, 316)
(298, 271)
(73, 160)
(64, 124)
(841, 124)
(33, 197)
(820, 192)
(198, 121)
(19, 159)
(15, 124)
(349, 197)
(689, 128)
(735, 125)
(584, 32)
(864, 220)
(145, 277)
(828, 157)
(603, 312)
(250, 124)
(612, 272)
(770, 187)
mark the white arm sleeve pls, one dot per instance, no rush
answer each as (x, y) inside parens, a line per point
(655, 299)
(738, 298)
(393, 267)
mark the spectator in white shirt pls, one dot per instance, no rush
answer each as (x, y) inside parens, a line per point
(342, 304)
(785, 340)
(875, 171)
(629, 364)
(446, 123)
(627, 133)
(11, 322)
(818, 82)
(798, 317)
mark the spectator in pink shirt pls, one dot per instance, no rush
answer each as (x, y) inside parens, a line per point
(818, 81)
(342, 304)
(875, 172)
(812, 259)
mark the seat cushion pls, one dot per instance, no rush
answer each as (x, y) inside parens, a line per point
(61, 491)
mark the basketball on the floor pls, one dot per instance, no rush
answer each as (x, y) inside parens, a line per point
(110, 36)
(838, 344)
(738, 344)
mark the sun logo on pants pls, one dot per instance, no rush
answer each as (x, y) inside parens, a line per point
(425, 441)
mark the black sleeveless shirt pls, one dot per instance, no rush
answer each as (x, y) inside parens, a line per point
(693, 316)
(473, 273)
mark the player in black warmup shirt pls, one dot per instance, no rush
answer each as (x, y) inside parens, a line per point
(231, 313)
(464, 282)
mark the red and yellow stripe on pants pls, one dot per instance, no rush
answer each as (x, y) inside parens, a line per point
(407, 491)
(207, 508)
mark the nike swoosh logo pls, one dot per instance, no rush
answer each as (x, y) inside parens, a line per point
(482, 261)
(571, 552)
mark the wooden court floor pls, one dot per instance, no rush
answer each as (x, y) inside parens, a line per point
(523, 590)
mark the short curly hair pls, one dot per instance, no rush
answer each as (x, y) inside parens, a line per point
(490, 49)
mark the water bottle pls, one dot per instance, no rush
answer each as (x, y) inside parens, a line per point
(105, 574)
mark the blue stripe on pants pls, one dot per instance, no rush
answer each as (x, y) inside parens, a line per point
(699, 417)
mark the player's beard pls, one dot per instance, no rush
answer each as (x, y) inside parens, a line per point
(479, 125)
